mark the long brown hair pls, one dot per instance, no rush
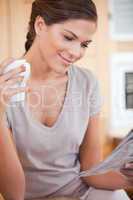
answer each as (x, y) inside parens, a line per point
(57, 11)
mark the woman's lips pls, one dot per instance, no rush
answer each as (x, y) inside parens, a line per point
(65, 60)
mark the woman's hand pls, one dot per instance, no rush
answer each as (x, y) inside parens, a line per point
(7, 80)
(127, 171)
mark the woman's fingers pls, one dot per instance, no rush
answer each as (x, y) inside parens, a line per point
(128, 175)
(5, 63)
(8, 84)
(7, 93)
(129, 165)
(18, 90)
(11, 74)
(127, 171)
(13, 81)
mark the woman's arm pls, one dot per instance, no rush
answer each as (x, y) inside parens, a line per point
(12, 180)
(90, 154)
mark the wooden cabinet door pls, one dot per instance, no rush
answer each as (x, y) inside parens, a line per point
(14, 17)
(19, 17)
(4, 29)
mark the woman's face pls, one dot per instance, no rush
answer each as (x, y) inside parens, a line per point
(65, 43)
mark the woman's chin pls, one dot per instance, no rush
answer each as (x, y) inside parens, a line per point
(62, 69)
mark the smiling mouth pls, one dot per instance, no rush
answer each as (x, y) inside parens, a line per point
(65, 60)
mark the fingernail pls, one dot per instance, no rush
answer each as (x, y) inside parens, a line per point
(23, 67)
(28, 89)
(127, 165)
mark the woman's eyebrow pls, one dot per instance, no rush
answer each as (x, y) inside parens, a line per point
(88, 41)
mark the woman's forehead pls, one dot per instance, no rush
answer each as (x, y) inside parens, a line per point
(80, 28)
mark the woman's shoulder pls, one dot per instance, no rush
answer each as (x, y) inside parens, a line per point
(83, 74)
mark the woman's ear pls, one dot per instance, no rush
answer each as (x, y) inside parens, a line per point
(39, 25)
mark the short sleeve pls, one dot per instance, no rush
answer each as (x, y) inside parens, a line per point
(94, 98)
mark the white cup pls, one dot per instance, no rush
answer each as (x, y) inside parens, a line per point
(15, 64)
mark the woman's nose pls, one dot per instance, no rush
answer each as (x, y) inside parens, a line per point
(75, 52)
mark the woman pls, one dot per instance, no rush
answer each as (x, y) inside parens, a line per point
(56, 129)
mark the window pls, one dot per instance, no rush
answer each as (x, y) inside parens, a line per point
(121, 93)
(129, 90)
(121, 19)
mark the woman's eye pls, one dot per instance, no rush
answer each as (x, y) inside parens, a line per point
(71, 39)
(68, 38)
(85, 45)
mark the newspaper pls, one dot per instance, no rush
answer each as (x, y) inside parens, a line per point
(122, 154)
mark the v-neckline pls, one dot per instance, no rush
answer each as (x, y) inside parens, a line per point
(60, 116)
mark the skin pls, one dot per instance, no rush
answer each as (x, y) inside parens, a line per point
(127, 171)
(12, 184)
(54, 39)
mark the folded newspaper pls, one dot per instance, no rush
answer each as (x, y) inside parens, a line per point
(122, 154)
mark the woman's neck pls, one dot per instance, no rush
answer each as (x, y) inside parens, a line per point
(40, 71)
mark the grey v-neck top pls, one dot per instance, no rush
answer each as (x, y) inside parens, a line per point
(50, 155)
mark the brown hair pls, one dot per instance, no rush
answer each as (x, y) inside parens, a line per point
(57, 11)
